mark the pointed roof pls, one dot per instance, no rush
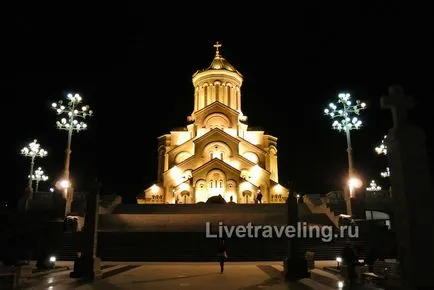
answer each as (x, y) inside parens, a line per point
(216, 163)
(219, 62)
(216, 131)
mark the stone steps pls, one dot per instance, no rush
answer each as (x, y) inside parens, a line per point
(332, 270)
(192, 247)
(312, 284)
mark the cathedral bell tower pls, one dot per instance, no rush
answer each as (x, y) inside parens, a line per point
(220, 82)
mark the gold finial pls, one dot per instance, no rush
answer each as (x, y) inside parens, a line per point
(217, 45)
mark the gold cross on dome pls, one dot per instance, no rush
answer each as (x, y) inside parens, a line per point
(217, 45)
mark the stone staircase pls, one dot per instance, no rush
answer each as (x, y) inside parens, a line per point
(147, 234)
(317, 206)
(312, 284)
(158, 246)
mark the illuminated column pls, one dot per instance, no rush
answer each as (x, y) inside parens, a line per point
(38, 177)
(217, 94)
(212, 96)
(73, 111)
(273, 164)
(233, 98)
(221, 93)
(196, 98)
(347, 120)
(32, 151)
(229, 96)
(238, 96)
(207, 95)
(201, 100)
(225, 94)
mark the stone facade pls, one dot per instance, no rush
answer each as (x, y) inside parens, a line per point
(216, 153)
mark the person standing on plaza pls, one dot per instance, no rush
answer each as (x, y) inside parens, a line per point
(222, 255)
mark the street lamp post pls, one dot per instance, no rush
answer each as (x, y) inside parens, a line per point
(345, 115)
(33, 150)
(373, 186)
(73, 110)
(38, 177)
(386, 173)
(382, 149)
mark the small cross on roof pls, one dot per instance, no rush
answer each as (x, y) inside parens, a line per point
(217, 46)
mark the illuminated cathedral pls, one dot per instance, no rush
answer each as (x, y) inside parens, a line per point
(216, 154)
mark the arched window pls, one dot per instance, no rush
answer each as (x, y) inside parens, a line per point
(182, 156)
(217, 182)
(217, 150)
(251, 157)
(217, 120)
(217, 154)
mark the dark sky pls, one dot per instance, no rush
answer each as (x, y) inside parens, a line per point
(133, 66)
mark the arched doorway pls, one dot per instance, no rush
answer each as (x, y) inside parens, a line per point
(231, 191)
(185, 194)
(247, 194)
(201, 193)
(216, 200)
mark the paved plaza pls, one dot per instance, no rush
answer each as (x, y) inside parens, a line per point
(243, 275)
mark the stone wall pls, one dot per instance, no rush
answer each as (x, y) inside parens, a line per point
(189, 218)
(197, 208)
(54, 203)
(183, 222)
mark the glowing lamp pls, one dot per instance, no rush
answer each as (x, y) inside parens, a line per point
(64, 183)
(354, 182)
(154, 188)
(278, 188)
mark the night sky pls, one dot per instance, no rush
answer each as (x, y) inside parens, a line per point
(133, 66)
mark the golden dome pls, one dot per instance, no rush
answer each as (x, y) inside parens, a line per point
(219, 62)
